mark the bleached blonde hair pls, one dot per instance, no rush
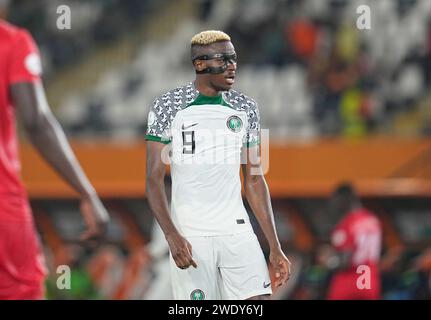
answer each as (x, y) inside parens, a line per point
(208, 37)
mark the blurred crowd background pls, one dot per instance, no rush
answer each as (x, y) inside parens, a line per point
(339, 80)
(315, 76)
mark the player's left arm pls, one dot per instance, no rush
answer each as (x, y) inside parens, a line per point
(257, 194)
(342, 242)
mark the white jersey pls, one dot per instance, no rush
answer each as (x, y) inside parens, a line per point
(206, 135)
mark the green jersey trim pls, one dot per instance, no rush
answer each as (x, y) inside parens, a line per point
(205, 100)
(155, 138)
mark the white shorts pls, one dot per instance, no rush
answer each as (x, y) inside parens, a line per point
(230, 267)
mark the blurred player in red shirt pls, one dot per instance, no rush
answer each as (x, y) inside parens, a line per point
(22, 268)
(357, 240)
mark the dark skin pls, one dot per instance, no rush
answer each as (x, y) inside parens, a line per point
(3, 12)
(257, 192)
(46, 135)
(212, 84)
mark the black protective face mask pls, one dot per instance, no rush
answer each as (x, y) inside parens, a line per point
(226, 57)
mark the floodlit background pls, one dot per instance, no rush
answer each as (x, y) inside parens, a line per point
(341, 104)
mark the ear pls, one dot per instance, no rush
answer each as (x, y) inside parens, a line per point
(200, 65)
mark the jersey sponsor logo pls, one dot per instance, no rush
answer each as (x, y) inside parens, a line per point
(33, 64)
(184, 127)
(266, 285)
(234, 123)
(197, 294)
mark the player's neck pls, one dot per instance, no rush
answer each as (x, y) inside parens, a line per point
(202, 86)
(355, 207)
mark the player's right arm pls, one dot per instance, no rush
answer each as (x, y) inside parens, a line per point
(180, 248)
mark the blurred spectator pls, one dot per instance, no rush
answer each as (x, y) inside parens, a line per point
(303, 37)
(357, 239)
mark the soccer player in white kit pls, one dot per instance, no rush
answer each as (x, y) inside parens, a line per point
(208, 128)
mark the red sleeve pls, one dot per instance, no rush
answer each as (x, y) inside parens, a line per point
(341, 238)
(25, 64)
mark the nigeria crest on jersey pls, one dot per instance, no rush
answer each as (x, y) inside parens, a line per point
(197, 294)
(234, 123)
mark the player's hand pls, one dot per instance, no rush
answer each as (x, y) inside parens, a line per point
(281, 265)
(96, 219)
(181, 251)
